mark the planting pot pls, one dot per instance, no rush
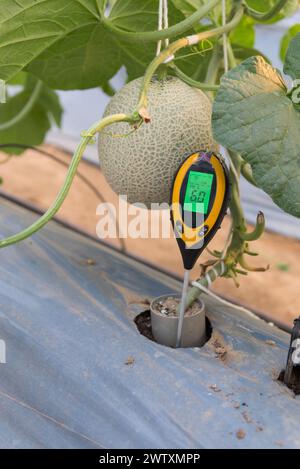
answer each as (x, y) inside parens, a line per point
(164, 328)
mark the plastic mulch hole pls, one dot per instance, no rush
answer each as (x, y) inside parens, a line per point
(143, 324)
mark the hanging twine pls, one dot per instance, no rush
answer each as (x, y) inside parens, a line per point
(166, 20)
(225, 50)
(163, 22)
(159, 27)
(224, 302)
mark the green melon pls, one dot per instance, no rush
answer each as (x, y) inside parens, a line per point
(142, 165)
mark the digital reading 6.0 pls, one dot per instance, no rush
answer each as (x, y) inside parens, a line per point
(198, 192)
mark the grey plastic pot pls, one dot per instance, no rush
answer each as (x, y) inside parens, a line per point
(164, 328)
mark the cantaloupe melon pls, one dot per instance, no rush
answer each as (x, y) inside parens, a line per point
(142, 165)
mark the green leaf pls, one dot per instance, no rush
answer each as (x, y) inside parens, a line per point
(188, 7)
(33, 127)
(28, 27)
(244, 33)
(29, 131)
(134, 15)
(18, 80)
(85, 58)
(253, 116)
(286, 39)
(90, 56)
(51, 104)
(292, 59)
(108, 89)
(135, 62)
(66, 45)
(47, 98)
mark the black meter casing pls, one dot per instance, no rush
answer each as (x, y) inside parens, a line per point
(199, 201)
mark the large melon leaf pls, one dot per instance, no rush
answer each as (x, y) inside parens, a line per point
(28, 27)
(253, 115)
(188, 6)
(66, 44)
(84, 58)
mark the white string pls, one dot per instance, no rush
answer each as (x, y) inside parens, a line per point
(225, 50)
(207, 276)
(166, 20)
(163, 22)
(221, 300)
(160, 20)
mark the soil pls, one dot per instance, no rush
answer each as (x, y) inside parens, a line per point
(169, 306)
(143, 324)
(240, 434)
(36, 179)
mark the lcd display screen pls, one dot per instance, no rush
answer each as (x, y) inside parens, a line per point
(198, 192)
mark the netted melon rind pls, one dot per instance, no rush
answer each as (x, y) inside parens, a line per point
(143, 164)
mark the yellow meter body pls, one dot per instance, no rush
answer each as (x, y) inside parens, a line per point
(199, 200)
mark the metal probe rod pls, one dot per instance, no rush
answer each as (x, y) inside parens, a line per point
(182, 307)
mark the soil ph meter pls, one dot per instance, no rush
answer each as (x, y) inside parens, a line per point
(199, 201)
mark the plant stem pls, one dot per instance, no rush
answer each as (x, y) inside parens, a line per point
(247, 173)
(213, 66)
(258, 16)
(212, 274)
(86, 139)
(196, 84)
(153, 36)
(231, 57)
(26, 109)
(174, 47)
(258, 230)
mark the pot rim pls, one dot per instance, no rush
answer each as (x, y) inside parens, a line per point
(175, 295)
